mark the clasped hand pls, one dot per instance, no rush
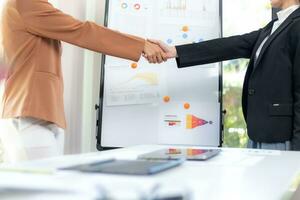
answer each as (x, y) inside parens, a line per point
(156, 51)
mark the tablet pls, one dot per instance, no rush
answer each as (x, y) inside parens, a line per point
(181, 153)
(127, 167)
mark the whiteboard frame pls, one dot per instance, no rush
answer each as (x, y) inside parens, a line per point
(99, 107)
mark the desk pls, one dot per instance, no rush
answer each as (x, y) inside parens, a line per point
(234, 174)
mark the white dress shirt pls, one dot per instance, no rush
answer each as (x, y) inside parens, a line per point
(282, 16)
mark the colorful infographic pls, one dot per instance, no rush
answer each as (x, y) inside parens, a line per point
(194, 122)
(172, 121)
(125, 87)
(178, 124)
(181, 17)
(162, 104)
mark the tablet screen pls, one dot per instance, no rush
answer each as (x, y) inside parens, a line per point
(179, 153)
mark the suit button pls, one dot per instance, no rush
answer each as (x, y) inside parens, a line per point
(251, 92)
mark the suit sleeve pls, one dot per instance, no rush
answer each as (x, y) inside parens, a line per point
(217, 50)
(43, 20)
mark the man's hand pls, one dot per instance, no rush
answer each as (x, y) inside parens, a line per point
(153, 53)
(170, 51)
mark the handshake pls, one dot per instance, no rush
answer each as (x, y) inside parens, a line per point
(156, 51)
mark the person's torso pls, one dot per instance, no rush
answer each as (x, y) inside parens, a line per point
(268, 90)
(34, 86)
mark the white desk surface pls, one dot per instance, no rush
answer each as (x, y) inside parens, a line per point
(234, 174)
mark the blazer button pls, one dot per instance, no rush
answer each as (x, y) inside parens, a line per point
(251, 92)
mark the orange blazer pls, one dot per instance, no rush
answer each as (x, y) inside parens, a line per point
(32, 31)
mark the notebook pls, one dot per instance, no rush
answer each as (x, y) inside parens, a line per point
(127, 167)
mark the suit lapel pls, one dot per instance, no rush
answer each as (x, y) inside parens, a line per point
(271, 39)
(282, 27)
(266, 32)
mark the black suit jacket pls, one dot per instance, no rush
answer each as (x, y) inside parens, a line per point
(271, 92)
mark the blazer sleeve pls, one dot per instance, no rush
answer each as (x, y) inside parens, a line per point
(42, 19)
(217, 50)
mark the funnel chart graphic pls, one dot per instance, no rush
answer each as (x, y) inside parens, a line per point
(193, 122)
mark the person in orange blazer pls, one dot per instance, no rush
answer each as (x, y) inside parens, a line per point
(33, 96)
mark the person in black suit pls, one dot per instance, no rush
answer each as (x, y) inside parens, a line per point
(271, 92)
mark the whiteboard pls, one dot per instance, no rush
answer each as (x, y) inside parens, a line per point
(142, 103)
